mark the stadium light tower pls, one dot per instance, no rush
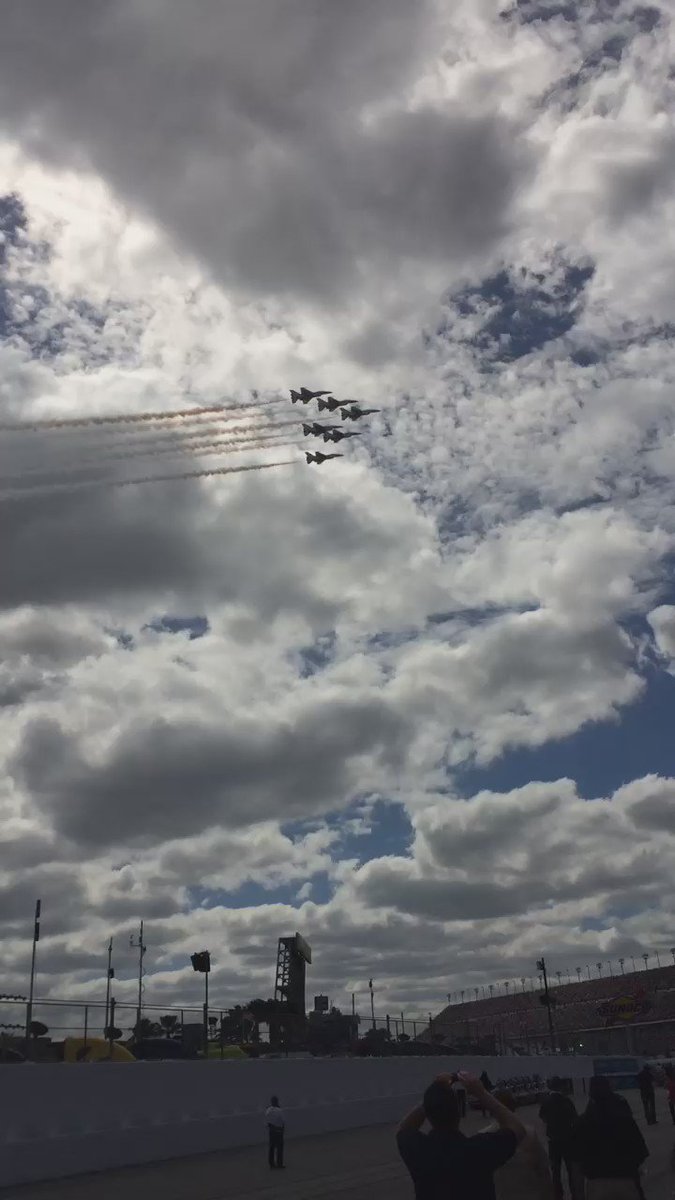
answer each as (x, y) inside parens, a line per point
(578, 971)
(546, 999)
(491, 988)
(475, 992)
(645, 957)
(609, 964)
(559, 975)
(588, 968)
(658, 960)
(633, 962)
(599, 966)
(621, 962)
(522, 980)
(672, 951)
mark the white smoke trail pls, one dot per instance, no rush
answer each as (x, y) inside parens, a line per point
(158, 418)
(250, 437)
(122, 483)
(44, 478)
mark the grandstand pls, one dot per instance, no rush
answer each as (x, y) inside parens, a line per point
(632, 1013)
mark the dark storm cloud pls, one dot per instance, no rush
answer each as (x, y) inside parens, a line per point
(166, 779)
(241, 129)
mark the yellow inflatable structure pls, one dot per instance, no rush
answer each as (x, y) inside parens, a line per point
(94, 1050)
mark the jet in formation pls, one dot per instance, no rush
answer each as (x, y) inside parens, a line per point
(354, 413)
(329, 433)
(321, 458)
(304, 395)
(316, 429)
(337, 435)
(329, 405)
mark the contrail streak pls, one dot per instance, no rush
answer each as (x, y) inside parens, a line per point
(122, 483)
(134, 418)
(205, 448)
(250, 437)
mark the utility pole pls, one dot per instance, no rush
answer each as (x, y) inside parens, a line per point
(541, 966)
(109, 976)
(372, 1002)
(141, 953)
(29, 1007)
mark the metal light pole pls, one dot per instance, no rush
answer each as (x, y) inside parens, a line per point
(599, 966)
(109, 976)
(672, 951)
(202, 962)
(588, 968)
(541, 966)
(621, 962)
(609, 964)
(578, 971)
(141, 952)
(645, 957)
(658, 960)
(372, 1003)
(29, 1007)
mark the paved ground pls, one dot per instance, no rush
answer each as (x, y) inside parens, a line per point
(358, 1164)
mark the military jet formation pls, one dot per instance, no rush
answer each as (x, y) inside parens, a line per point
(330, 433)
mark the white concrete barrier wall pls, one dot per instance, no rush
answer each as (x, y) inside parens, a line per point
(61, 1119)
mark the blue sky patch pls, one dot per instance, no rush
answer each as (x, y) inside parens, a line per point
(601, 757)
(525, 311)
(196, 627)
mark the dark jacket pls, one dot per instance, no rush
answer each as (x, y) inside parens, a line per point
(607, 1141)
(560, 1117)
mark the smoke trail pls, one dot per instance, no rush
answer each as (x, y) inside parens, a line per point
(155, 446)
(133, 418)
(216, 446)
(122, 483)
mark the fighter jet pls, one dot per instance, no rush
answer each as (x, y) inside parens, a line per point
(317, 430)
(331, 404)
(353, 412)
(305, 396)
(336, 435)
(321, 458)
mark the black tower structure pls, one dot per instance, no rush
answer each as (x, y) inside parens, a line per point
(293, 954)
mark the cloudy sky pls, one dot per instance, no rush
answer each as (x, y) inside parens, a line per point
(418, 704)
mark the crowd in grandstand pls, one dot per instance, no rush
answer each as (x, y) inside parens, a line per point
(518, 1019)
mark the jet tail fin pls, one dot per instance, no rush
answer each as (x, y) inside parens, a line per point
(310, 457)
(323, 404)
(307, 429)
(295, 396)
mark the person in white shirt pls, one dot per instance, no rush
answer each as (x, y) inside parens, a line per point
(275, 1128)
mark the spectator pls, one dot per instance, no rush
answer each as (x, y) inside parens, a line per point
(446, 1163)
(609, 1145)
(646, 1085)
(275, 1128)
(528, 1172)
(559, 1115)
(670, 1089)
